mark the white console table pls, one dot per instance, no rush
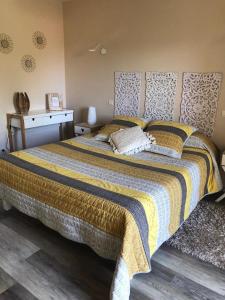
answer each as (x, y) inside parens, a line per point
(35, 119)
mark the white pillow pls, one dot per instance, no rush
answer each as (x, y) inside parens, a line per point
(130, 140)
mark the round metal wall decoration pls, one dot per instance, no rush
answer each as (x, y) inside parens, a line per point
(39, 40)
(6, 43)
(28, 63)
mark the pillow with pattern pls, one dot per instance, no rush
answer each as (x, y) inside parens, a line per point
(119, 122)
(130, 140)
(170, 137)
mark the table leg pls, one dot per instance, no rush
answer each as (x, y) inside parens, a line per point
(61, 131)
(23, 133)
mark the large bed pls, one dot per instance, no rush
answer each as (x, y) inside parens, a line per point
(123, 207)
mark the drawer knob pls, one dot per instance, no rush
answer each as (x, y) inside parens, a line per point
(65, 115)
(82, 129)
(33, 119)
(50, 117)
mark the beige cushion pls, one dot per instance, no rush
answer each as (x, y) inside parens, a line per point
(130, 140)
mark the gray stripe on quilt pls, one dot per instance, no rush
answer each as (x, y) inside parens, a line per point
(145, 155)
(205, 157)
(129, 203)
(71, 227)
(156, 191)
(192, 168)
(77, 230)
(179, 176)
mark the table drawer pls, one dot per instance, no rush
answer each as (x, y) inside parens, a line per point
(82, 130)
(51, 119)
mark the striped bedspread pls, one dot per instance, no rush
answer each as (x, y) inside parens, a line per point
(123, 207)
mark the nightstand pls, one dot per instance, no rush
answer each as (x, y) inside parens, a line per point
(223, 166)
(83, 128)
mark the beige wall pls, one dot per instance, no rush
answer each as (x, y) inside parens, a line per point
(140, 35)
(19, 19)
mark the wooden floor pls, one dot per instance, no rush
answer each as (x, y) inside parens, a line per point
(37, 263)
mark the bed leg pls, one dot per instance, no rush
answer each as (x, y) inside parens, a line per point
(6, 205)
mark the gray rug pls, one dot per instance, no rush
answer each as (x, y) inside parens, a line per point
(203, 234)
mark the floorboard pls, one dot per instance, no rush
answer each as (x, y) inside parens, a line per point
(36, 263)
(199, 272)
(17, 292)
(5, 281)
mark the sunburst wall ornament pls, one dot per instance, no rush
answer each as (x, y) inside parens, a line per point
(6, 43)
(28, 63)
(39, 40)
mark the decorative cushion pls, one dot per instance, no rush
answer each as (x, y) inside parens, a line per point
(130, 140)
(119, 122)
(170, 137)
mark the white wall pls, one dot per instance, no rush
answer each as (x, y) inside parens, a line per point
(140, 35)
(20, 19)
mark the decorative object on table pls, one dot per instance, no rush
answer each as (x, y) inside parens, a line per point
(28, 63)
(127, 93)
(160, 95)
(39, 40)
(202, 235)
(199, 100)
(36, 119)
(21, 103)
(91, 115)
(54, 102)
(83, 128)
(6, 43)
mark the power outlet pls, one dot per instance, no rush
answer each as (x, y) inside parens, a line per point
(111, 102)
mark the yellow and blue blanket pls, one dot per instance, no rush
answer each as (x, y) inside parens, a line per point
(124, 207)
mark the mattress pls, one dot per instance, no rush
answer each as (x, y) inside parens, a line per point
(123, 207)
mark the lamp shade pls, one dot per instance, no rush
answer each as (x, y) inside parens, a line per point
(91, 115)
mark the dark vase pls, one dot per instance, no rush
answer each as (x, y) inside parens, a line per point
(21, 103)
(27, 102)
(16, 102)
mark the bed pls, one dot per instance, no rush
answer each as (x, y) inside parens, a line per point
(123, 207)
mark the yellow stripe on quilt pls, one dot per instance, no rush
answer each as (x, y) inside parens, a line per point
(105, 215)
(179, 169)
(169, 182)
(212, 183)
(202, 167)
(143, 198)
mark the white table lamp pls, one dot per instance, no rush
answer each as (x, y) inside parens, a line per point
(91, 115)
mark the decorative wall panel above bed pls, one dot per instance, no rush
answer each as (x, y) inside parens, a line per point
(199, 100)
(127, 93)
(160, 94)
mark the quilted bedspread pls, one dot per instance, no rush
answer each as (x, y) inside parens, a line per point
(123, 207)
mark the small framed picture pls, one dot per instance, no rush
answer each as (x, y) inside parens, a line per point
(54, 101)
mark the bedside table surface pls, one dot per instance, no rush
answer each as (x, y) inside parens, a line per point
(86, 125)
